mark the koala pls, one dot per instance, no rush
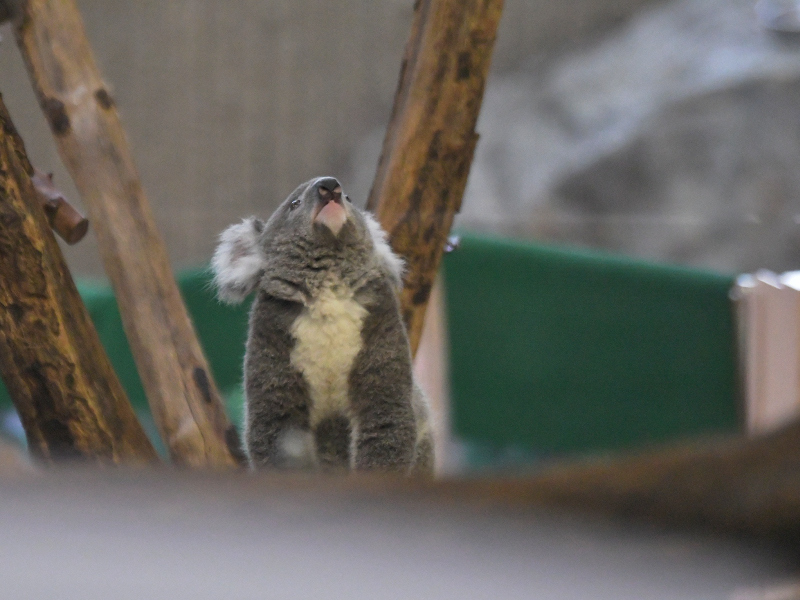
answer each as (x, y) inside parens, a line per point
(327, 370)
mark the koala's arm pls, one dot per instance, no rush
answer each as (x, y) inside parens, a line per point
(381, 389)
(277, 429)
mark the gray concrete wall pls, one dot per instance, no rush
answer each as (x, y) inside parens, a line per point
(229, 105)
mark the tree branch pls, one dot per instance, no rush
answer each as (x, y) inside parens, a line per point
(183, 397)
(67, 222)
(59, 377)
(430, 140)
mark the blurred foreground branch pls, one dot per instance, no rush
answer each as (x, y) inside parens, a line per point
(58, 375)
(431, 138)
(732, 485)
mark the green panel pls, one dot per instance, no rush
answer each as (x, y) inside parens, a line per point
(551, 350)
(222, 330)
(103, 309)
(556, 350)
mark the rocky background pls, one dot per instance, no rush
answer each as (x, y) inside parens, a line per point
(668, 130)
(676, 137)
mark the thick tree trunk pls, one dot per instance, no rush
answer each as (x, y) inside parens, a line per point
(59, 377)
(431, 137)
(90, 138)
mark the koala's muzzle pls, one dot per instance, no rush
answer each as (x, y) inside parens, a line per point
(330, 210)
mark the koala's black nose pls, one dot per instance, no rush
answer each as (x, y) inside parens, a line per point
(329, 188)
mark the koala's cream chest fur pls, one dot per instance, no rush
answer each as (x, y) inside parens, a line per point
(327, 340)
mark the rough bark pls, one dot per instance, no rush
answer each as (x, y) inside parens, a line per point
(431, 138)
(83, 118)
(59, 377)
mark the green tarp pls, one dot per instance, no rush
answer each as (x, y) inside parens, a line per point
(560, 350)
(551, 350)
(222, 330)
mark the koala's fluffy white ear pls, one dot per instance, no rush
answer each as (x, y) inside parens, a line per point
(238, 262)
(392, 264)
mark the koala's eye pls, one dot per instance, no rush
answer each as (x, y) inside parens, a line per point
(294, 203)
(346, 197)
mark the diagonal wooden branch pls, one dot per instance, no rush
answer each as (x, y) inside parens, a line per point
(430, 140)
(92, 143)
(59, 377)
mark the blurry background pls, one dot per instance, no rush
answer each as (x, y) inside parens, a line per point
(661, 130)
(666, 130)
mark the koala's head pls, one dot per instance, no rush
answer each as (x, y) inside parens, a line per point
(315, 228)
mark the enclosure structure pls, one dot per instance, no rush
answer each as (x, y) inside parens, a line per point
(456, 38)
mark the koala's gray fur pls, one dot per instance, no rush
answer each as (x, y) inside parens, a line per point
(328, 379)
